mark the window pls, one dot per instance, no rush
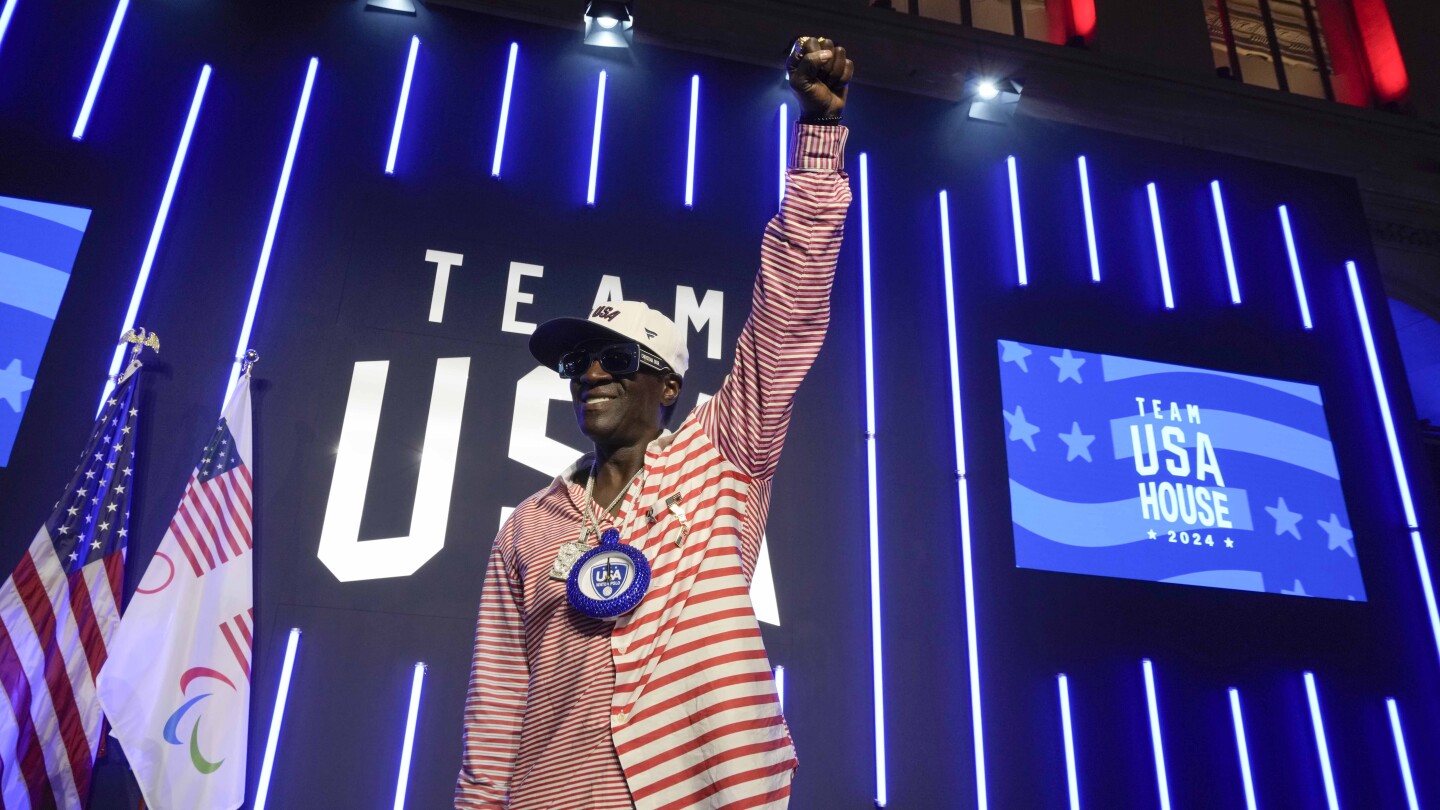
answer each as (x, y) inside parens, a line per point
(1056, 21)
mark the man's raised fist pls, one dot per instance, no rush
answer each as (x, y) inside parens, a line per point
(819, 75)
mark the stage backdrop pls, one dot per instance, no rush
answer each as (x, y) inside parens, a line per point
(396, 300)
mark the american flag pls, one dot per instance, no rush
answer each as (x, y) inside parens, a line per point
(58, 611)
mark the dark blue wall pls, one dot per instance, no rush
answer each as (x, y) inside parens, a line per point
(348, 283)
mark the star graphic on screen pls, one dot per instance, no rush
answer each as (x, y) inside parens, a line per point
(1298, 590)
(1338, 535)
(1151, 534)
(1077, 444)
(1229, 543)
(1012, 352)
(13, 384)
(1285, 520)
(1020, 430)
(1069, 366)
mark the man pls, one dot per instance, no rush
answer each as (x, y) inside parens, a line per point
(587, 689)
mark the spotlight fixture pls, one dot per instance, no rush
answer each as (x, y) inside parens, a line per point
(396, 6)
(992, 100)
(609, 24)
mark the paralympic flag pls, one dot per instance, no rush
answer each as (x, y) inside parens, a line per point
(177, 685)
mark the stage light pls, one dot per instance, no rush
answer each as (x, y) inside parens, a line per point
(397, 6)
(504, 110)
(609, 24)
(1402, 754)
(1402, 480)
(784, 148)
(595, 139)
(876, 647)
(780, 685)
(258, 285)
(1070, 777)
(277, 716)
(1160, 245)
(992, 100)
(1295, 268)
(416, 682)
(400, 108)
(987, 90)
(1089, 220)
(690, 150)
(100, 65)
(5, 14)
(1321, 747)
(1242, 748)
(162, 214)
(1157, 746)
(1220, 222)
(1015, 220)
(963, 495)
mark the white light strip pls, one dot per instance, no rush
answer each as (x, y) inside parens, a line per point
(595, 139)
(267, 765)
(1321, 747)
(1162, 782)
(1402, 754)
(1160, 246)
(784, 148)
(876, 648)
(1015, 220)
(963, 494)
(5, 15)
(1224, 226)
(1242, 748)
(1402, 481)
(1089, 219)
(780, 685)
(403, 782)
(100, 65)
(400, 108)
(1071, 779)
(265, 250)
(1295, 268)
(690, 151)
(504, 110)
(161, 215)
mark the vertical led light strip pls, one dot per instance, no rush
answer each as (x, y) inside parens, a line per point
(1243, 748)
(268, 246)
(1321, 747)
(1089, 219)
(1224, 226)
(504, 110)
(100, 65)
(1402, 481)
(595, 139)
(1160, 252)
(780, 685)
(400, 108)
(876, 648)
(1014, 173)
(963, 495)
(161, 215)
(277, 716)
(1071, 779)
(1295, 268)
(403, 782)
(1162, 782)
(784, 148)
(690, 150)
(5, 15)
(1402, 754)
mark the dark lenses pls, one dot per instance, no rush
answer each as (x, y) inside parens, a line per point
(618, 358)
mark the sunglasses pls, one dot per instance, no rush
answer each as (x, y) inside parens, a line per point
(615, 359)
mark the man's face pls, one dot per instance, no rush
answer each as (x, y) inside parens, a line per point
(618, 409)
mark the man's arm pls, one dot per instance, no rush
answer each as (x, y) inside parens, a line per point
(790, 308)
(499, 681)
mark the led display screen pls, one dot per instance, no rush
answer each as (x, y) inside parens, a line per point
(1144, 470)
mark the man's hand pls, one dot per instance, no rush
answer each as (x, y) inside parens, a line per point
(819, 75)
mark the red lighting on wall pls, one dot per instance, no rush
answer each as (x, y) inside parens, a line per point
(1382, 51)
(1082, 13)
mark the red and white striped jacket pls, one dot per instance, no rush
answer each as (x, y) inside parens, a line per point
(672, 706)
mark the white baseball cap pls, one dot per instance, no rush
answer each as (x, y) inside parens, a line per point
(620, 321)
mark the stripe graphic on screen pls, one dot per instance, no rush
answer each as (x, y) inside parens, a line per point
(1145, 470)
(38, 243)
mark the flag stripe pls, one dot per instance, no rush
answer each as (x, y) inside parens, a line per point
(219, 516)
(184, 544)
(240, 657)
(196, 538)
(244, 631)
(90, 640)
(197, 511)
(27, 742)
(240, 519)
